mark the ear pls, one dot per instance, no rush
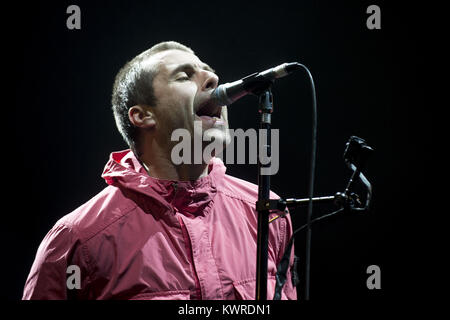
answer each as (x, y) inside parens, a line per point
(141, 117)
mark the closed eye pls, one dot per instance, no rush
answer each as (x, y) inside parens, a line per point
(184, 76)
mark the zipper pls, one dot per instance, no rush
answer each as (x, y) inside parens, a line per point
(188, 245)
(175, 191)
(175, 187)
(189, 251)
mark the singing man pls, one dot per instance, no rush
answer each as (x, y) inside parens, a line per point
(162, 230)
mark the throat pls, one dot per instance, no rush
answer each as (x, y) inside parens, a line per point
(169, 171)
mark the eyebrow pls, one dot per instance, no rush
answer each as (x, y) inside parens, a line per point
(190, 66)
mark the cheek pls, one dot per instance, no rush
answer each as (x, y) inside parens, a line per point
(176, 107)
(182, 103)
(178, 96)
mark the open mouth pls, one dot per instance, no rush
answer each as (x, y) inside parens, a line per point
(209, 109)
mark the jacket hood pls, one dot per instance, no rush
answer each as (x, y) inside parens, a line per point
(125, 171)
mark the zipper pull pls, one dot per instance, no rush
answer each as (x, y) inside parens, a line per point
(175, 189)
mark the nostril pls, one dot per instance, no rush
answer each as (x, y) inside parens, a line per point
(210, 83)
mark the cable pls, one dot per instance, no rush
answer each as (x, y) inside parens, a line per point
(311, 181)
(282, 267)
(284, 262)
(317, 219)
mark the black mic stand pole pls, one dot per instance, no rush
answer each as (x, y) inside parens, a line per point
(265, 108)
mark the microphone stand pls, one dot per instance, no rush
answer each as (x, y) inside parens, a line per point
(356, 155)
(265, 108)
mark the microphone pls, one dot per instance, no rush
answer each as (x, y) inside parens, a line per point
(227, 93)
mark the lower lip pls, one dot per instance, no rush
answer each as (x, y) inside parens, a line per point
(210, 121)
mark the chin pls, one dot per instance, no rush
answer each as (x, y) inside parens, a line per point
(215, 141)
(218, 136)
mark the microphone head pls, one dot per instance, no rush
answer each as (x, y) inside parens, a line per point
(219, 96)
(227, 93)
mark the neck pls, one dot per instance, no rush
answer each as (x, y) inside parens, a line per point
(156, 159)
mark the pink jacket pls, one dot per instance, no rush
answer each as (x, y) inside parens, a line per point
(145, 238)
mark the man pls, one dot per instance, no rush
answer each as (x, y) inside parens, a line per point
(161, 230)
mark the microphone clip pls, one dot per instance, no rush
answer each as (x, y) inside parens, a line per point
(257, 84)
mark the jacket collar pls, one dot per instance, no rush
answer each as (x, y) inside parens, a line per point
(125, 171)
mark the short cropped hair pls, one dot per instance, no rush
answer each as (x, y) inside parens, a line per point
(133, 85)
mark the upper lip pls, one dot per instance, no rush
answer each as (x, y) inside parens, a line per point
(208, 108)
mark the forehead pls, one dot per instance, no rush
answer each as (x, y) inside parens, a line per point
(166, 61)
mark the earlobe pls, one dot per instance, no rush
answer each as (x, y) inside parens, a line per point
(141, 117)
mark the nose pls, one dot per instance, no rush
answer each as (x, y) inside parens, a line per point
(211, 81)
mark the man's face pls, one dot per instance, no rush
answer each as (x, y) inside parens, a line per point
(182, 86)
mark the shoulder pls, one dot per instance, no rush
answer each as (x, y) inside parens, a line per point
(102, 210)
(68, 237)
(241, 189)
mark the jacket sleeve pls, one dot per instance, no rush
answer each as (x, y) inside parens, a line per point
(48, 277)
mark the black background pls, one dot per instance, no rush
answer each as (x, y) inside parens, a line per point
(59, 116)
